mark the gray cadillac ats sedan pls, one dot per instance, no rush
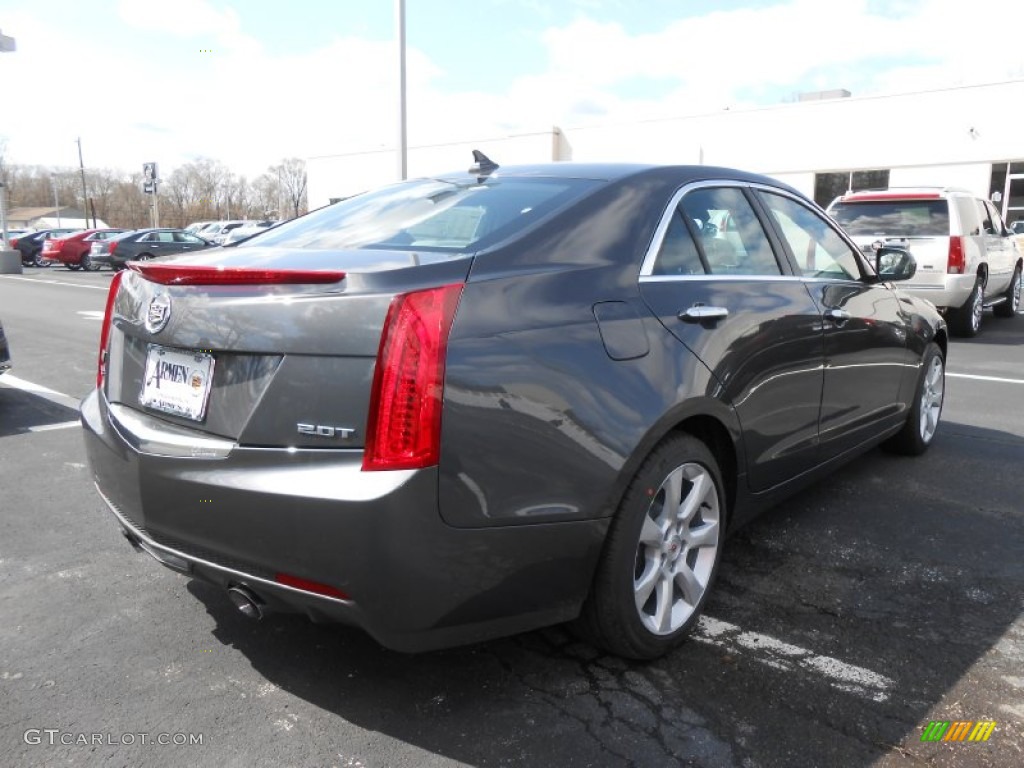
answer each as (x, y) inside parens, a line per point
(462, 407)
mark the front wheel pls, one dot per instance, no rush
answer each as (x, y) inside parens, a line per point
(88, 264)
(661, 554)
(923, 419)
(1011, 299)
(37, 260)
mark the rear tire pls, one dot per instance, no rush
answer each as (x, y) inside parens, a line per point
(966, 321)
(37, 260)
(661, 554)
(923, 420)
(1011, 299)
(73, 267)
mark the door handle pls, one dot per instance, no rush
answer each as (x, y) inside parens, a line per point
(837, 315)
(699, 313)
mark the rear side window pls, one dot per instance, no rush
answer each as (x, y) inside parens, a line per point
(894, 218)
(970, 216)
(678, 253)
(732, 240)
(430, 215)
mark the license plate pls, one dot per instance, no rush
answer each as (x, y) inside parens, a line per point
(177, 381)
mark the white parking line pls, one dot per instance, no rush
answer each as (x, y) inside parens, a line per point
(50, 427)
(783, 656)
(90, 314)
(984, 378)
(55, 282)
(7, 380)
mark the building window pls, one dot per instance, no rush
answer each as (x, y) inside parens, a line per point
(1006, 190)
(829, 186)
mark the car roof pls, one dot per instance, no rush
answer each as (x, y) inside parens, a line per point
(902, 193)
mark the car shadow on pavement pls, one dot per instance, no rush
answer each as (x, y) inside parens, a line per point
(22, 411)
(996, 331)
(888, 595)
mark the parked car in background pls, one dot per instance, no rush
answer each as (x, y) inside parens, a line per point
(519, 397)
(13, 235)
(219, 232)
(145, 244)
(5, 352)
(1018, 227)
(73, 250)
(31, 246)
(196, 226)
(244, 233)
(966, 257)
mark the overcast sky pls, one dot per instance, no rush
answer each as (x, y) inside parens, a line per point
(251, 82)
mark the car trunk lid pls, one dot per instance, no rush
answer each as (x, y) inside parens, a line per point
(264, 347)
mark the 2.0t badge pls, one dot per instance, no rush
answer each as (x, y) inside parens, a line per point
(159, 313)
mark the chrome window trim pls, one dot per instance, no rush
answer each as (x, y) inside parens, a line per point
(647, 265)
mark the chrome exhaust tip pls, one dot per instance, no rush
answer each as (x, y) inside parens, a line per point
(246, 602)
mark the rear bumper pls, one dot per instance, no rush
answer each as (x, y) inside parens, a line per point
(414, 582)
(951, 294)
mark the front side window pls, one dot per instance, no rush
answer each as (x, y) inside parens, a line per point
(994, 218)
(817, 248)
(730, 236)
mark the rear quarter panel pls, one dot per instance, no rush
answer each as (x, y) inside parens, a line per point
(540, 423)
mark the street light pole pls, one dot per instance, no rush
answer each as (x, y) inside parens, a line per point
(85, 195)
(402, 148)
(56, 204)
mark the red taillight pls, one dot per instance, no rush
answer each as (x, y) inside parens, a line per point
(403, 429)
(956, 262)
(172, 274)
(112, 247)
(101, 365)
(310, 586)
(14, 242)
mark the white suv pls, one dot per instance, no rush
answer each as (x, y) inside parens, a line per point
(966, 257)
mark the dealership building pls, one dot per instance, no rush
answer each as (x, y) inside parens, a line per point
(823, 144)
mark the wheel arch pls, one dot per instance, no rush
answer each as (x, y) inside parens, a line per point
(713, 423)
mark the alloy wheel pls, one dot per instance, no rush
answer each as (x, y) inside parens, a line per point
(933, 389)
(678, 547)
(977, 307)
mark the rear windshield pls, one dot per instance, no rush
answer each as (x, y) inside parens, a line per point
(894, 218)
(429, 215)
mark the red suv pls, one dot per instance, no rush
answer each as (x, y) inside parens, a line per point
(73, 250)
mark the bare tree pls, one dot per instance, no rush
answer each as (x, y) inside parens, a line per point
(291, 175)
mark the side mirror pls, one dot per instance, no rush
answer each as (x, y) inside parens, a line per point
(893, 262)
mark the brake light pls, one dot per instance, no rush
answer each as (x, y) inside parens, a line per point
(403, 429)
(310, 586)
(13, 242)
(956, 262)
(172, 274)
(101, 365)
(112, 247)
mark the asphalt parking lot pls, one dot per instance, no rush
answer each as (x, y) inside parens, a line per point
(844, 621)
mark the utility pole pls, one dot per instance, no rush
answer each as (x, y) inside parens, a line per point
(56, 203)
(402, 139)
(85, 195)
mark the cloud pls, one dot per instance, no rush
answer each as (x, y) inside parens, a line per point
(249, 105)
